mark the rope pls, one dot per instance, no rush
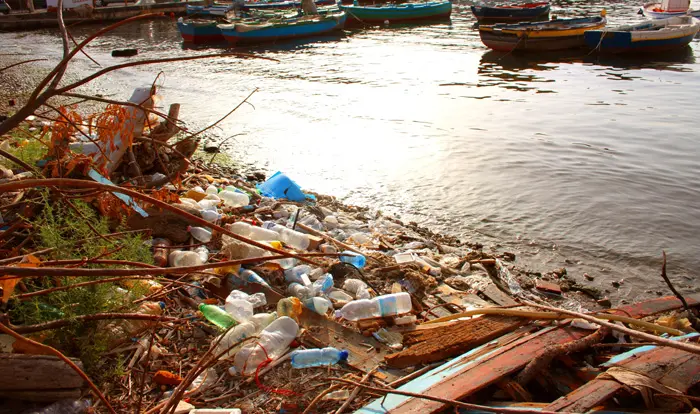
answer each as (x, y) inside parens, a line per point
(258, 382)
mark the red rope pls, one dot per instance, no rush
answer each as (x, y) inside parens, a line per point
(280, 391)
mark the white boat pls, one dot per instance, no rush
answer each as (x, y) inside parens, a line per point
(668, 8)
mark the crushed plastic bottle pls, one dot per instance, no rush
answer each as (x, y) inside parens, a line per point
(272, 343)
(337, 395)
(261, 320)
(233, 336)
(240, 309)
(381, 306)
(357, 288)
(318, 357)
(298, 290)
(339, 295)
(208, 204)
(290, 307)
(318, 304)
(298, 274)
(124, 329)
(256, 299)
(322, 285)
(203, 253)
(200, 233)
(327, 248)
(184, 258)
(217, 316)
(354, 259)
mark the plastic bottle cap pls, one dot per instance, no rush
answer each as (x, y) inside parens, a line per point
(189, 228)
(338, 314)
(344, 355)
(162, 305)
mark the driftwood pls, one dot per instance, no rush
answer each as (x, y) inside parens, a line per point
(34, 374)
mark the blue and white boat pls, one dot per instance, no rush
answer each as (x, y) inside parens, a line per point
(651, 36)
(282, 29)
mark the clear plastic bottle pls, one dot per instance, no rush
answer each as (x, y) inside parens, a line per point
(357, 288)
(291, 238)
(318, 304)
(203, 253)
(386, 305)
(211, 190)
(256, 299)
(234, 198)
(307, 358)
(253, 232)
(261, 320)
(217, 316)
(272, 343)
(354, 259)
(290, 307)
(200, 233)
(237, 334)
(331, 222)
(184, 258)
(211, 216)
(252, 277)
(340, 295)
(322, 285)
(235, 249)
(327, 248)
(124, 329)
(299, 291)
(298, 274)
(240, 309)
(208, 204)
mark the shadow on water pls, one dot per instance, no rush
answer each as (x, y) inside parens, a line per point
(279, 46)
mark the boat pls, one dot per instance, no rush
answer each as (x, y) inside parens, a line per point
(199, 31)
(213, 10)
(404, 12)
(517, 12)
(665, 9)
(651, 36)
(556, 34)
(282, 29)
(281, 4)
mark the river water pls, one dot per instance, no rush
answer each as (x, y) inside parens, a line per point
(578, 161)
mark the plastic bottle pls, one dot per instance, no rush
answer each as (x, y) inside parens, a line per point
(322, 285)
(237, 334)
(213, 197)
(318, 304)
(123, 330)
(357, 288)
(298, 290)
(291, 238)
(261, 320)
(290, 307)
(337, 395)
(272, 343)
(160, 252)
(234, 198)
(256, 299)
(327, 248)
(200, 233)
(184, 258)
(239, 250)
(240, 309)
(298, 274)
(331, 222)
(211, 190)
(252, 277)
(66, 407)
(253, 232)
(354, 259)
(211, 216)
(307, 358)
(208, 204)
(203, 253)
(386, 305)
(340, 295)
(217, 316)
(147, 284)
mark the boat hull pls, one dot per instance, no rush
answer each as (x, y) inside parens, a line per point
(398, 13)
(677, 33)
(648, 10)
(200, 33)
(283, 4)
(510, 42)
(509, 14)
(281, 32)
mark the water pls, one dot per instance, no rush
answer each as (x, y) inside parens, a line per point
(569, 160)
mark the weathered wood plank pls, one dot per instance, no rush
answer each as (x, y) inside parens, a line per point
(37, 372)
(497, 295)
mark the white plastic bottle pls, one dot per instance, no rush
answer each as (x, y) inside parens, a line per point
(234, 198)
(272, 343)
(357, 288)
(200, 233)
(240, 309)
(298, 290)
(386, 305)
(306, 358)
(207, 204)
(182, 258)
(203, 253)
(211, 216)
(261, 320)
(237, 334)
(318, 304)
(211, 190)
(291, 238)
(253, 232)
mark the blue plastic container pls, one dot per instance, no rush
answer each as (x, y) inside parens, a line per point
(281, 186)
(354, 259)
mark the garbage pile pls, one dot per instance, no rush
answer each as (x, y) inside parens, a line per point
(258, 297)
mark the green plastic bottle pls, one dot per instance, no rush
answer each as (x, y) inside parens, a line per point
(217, 316)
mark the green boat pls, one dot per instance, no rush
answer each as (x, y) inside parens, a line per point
(404, 12)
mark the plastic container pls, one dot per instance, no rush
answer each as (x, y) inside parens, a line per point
(290, 307)
(253, 232)
(272, 343)
(124, 329)
(211, 190)
(281, 186)
(291, 238)
(322, 285)
(298, 274)
(340, 295)
(200, 233)
(261, 320)
(354, 259)
(299, 291)
(234, 198)
(256, 299)
(252, 277)
(211, 216)
(160, 252)
(327, 248)
(184, 258)
(237, 334)
(217, 316)
(318, 304)
(239, 250)
(357, 288)
(381, 306)
(240, 309)
(318, 357)
(208, 204)
(203, 253)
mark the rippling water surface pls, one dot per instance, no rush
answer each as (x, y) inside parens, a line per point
(574, 160)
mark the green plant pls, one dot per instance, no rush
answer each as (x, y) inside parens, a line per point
(25, 145)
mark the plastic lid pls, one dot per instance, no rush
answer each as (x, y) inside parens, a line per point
(344, 355)
(162, 305)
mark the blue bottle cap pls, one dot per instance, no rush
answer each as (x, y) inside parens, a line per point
(162, 305)
(344, 355)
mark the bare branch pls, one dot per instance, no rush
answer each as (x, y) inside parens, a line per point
(20, 63)
(225, 116)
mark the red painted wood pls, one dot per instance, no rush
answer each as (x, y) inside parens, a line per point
(653, 306)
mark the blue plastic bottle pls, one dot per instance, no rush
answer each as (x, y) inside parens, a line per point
(323, 284)
(354, 259)
(317, 357)
(252, 277)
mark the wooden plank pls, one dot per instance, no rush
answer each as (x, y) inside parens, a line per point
(37, 372)
(466, 374)
(426, 346)
(658, 305)
(497, 295)
(672, 367)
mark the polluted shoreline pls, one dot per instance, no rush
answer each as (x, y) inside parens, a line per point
(138, 275)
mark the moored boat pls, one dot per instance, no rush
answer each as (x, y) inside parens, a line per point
(557, 34)
(665, 9)
(404, 12)
(651, 36)
(213, 10)
(199, 30)
(517, 12)
(253, 5)
(282, 29)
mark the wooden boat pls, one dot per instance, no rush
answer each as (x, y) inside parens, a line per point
(213, 10)
(557, 34)
(404, 12)
(220, 9)
(518, 12)
(199, 31)
(650, 36)
(665, 9)
(281, 29)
